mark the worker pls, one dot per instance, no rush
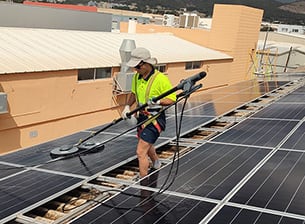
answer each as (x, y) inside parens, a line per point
(148, 83)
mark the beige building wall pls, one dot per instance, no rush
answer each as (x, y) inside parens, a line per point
(234, 31)
(176, 73)
(48, 105)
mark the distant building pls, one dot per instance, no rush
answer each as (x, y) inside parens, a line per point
(54, 16)
(119, 16)
(168, 20)
(189, 20)
(285, 28)
(205, 23)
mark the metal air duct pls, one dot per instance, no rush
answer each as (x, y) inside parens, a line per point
(124, 77)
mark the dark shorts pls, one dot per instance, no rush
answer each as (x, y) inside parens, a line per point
(149, 134)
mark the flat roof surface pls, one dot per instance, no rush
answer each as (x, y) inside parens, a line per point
(250, 169)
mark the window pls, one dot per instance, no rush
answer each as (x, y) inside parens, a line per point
(284, 29)
(102, 73)
(94, 73)
(192, 65)
(295, 30)
(85, 74)
(161, 68)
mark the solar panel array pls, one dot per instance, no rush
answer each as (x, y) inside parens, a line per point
(253, 172)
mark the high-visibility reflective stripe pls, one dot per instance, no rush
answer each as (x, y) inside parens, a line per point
(147, 91)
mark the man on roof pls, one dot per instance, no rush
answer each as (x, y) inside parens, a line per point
(148, 83)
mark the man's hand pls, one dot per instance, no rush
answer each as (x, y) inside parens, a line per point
(150, 102)
(125, 112)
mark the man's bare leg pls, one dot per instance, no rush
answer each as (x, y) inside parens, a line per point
(142, 153)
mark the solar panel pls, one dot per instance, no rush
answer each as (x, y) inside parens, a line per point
(216, 108)
(282, 111)
(187, 106)
(233, 215)
(297, 139)
(300, 90)
(227, 179)
(117, 128)
(188, 123)
(202, 110)
(293, 98)
(259, 132)
(248, 86)
(163, 208)
(279, 184)
(212, 170)
(90, 164)
(40, 153)
(30, 187)
(241, 97)
(268, 86)
(7, 170)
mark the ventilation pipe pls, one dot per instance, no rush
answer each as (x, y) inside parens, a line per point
(124, 77)
(132, 25)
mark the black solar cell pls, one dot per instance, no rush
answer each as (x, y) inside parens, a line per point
(113, 153)
(297, 139)
(278, 184)
(189, 123)
(30, 187)
(39, 154)
(234, 215)
(212, 170)
(293, 98)
(6, 170)
(300, 90)
(283, 111)
(202, 110)
(160, 209)
(258, 132)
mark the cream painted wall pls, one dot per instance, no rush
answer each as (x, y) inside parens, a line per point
(216, 73)
(48, 105)
(235, 30)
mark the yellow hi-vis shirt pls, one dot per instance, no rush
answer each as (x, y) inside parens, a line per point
(160, 85)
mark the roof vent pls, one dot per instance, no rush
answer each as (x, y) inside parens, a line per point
(125, 52)
(124, 77)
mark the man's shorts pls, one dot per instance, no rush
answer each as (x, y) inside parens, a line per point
(149, 134)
